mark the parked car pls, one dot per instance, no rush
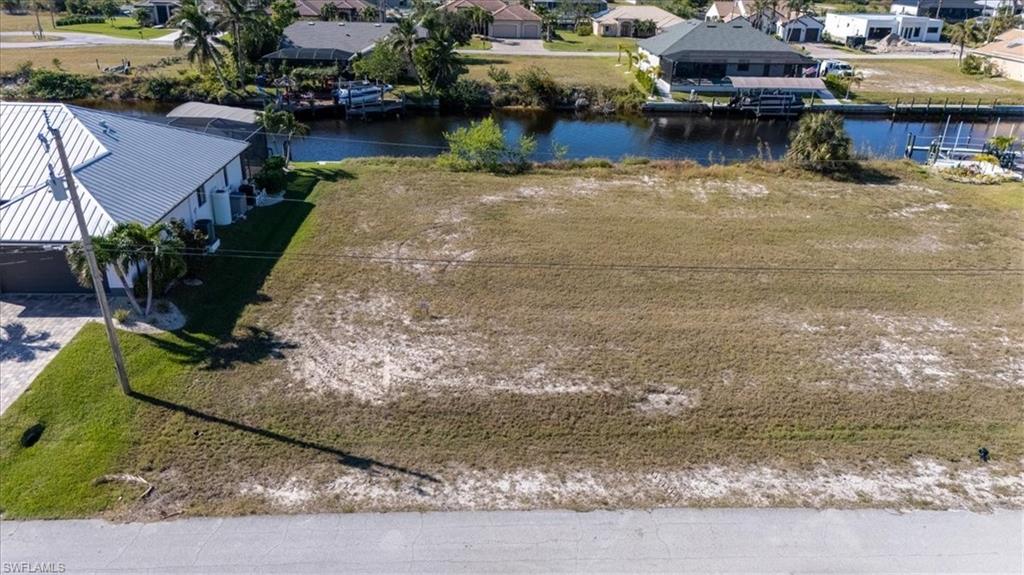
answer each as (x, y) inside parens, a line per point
(835, 67)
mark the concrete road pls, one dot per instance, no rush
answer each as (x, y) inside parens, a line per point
(73, 39)
(669, 540)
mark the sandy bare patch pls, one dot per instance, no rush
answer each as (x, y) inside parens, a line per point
(165, 317)
(702, 190)
(923, 483)
(922, 244)
(373, 348)
(667, 401)
(917, 209)
(918, 353)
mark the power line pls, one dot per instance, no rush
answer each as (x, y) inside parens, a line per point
(597, 266)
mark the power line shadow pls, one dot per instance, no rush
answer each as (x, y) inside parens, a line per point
(344, 458)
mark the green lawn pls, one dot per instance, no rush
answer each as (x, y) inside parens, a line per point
(597, 71)
(573, 42)
(365, 370)
(121, 27)
(477, 44)
(887, 80)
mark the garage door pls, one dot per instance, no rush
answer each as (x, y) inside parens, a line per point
(531, 31)
(37, 271)
(504, 30)
(811, 35)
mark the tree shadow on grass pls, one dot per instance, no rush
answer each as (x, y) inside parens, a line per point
(343, 457)
(253, 346)
(859, 173)
(231, 281)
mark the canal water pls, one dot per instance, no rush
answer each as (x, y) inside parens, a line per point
(700, 138)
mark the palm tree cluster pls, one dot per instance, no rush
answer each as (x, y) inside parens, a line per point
(281, 123)
(133, 248)
(244, 28)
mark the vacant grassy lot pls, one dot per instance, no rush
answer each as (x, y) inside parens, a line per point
(24, 22)
(639, 335)
(83, 59)
(122, 27)
(597, 71)
(573, 42)
(887, 80)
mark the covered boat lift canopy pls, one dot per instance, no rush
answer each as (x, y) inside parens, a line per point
(789, 85)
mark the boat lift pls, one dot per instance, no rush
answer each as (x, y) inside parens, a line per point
(963, 148)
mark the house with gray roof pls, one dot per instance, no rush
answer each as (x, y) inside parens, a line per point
(696, 52)
(125, 170)
(307, 43)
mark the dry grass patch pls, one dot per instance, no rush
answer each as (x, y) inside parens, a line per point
(83, 59)
(646, 335)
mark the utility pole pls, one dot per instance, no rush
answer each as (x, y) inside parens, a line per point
(94, 269)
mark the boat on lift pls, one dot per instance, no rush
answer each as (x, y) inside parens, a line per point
(360, 93)
(768, 104)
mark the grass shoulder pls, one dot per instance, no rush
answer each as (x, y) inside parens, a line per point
(567, 41)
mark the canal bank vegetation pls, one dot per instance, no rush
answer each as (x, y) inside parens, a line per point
(401, 336)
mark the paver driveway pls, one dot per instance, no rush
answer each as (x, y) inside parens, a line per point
(32, 331)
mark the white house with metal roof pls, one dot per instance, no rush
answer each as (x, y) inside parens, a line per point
(125, 169)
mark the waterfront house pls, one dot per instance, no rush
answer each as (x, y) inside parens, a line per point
(125, 169)
(696, 52)
(160, 11)
(324, 43)
(952, 10)
(839, 27)
(510, 20)
(621, 20)
(1006, 51)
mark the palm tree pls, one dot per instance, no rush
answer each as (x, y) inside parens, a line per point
(281, 123)
(963, 33)
(200, 34)
(764, 13)
(820, 143)
(156, 250)
(329, 12)
(109, 255)
(404, 38)
(234, 16)
(438, 61)
(481, 19)
(369, 14)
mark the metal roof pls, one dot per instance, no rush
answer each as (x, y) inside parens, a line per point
(769, 83)
(213, 111)
(126, 169)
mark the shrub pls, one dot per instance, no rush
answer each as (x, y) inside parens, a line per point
(538, 88)
(466, 94)
(645, 81)
(272, 178)
(645, 28)
(987, 158)
(383, 64)
(975, 65)
(630, 99)
(500, 76)
(122, 315)
(56, 85)
(194, 242)
(482, 147)
(85, 7)
(80, 19)
(820, 143)
(584, 29)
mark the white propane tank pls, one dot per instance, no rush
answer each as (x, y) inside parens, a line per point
(222, 207)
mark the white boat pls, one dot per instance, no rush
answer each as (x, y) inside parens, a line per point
(769, 104)
(358, 93)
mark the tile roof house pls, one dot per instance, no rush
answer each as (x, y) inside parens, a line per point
(510, 20)
(347, 9)
(786, 23)
(1006, 51)
(125, 169)
(697, 52)
(307, 43)
(621, 20)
